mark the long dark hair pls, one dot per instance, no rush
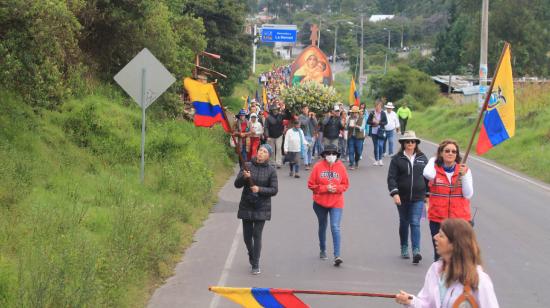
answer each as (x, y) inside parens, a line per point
(442, 145)
(416, 148)
(466, 255)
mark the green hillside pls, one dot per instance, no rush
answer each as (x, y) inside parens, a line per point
(77, 228)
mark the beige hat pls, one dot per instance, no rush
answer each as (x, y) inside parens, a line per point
(409, 135)
(354, 109)
(389, 105)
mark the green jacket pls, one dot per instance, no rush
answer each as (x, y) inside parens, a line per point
(404, 112)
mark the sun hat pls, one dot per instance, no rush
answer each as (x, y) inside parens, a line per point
(354, 109)
(336, 107)
(242, 112)
(389, 105)
(409, 135)
(331, 148)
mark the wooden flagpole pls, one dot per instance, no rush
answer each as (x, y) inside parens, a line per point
(485, 103)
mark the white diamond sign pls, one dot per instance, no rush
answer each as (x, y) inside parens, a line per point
(144, 70)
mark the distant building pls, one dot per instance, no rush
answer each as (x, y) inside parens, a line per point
(377, 18)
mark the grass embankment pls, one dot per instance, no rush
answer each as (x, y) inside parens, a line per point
(526, 152)
(77, 228)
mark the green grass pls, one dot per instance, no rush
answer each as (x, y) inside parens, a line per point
(77, 228)
(527, 151)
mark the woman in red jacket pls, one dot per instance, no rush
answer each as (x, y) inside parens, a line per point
(328, 181)
(451, 187)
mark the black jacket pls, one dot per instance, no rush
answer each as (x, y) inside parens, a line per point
(257, 206)
(408, 181)
(274, 126)
(331, 127)
(370, 121)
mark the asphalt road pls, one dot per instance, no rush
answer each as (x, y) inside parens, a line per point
(512, 225)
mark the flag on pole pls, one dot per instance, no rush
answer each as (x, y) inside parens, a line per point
(353, 95)
(208, 110)
(246, 105)
(257, 97)
(499, 123)
(264, 98)
(260, 297)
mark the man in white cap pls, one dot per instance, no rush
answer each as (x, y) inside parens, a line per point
(332, 126)
(391, 128)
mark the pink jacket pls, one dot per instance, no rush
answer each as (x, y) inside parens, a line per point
(429, 297)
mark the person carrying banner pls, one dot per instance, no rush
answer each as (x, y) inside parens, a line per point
(451, 187)
(458, 277)
(260, 183)
(328, 181)
(408, 188)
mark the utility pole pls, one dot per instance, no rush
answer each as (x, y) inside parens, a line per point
(389, 40)
(319, 34)
(402, 30)
(361, 61)
(254, 41)
(483, 53)
(335, 42)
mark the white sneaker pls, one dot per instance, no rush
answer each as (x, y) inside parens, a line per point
(380, 163)
(375, 163)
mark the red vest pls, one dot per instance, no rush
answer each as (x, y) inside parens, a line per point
(446, 199)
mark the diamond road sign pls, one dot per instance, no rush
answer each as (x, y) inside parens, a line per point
(157, 78)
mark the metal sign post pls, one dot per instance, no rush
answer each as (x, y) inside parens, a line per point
(144, 78)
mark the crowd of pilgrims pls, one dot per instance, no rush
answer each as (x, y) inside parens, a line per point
(296, 137)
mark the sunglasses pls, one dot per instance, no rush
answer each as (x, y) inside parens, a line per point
(331, 153)
(449, 151)
(410, 141)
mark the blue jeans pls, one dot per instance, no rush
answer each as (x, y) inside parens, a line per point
(335, 217)
(309, 151)
(389, 139)
(318, 147)
(409, 215)
(355, 148)
(378, 147)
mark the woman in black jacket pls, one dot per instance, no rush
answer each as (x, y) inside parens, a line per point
(408, 188)
(259, 180)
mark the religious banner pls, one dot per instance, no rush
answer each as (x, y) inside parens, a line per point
(311, 65)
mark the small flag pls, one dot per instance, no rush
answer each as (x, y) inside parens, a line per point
(353, 95)
(499, 123)
(264, 97)
(208, 110)
(246, 105)
(260, 297)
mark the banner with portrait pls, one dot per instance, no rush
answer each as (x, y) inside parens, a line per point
(311, 65)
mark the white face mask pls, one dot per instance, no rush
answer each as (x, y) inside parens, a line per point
(330, 159)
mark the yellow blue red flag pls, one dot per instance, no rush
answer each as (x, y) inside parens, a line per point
(353, 94)
(499, 123)
(261, 297)
(208, 110)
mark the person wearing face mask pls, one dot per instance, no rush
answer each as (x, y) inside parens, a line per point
(259, 179)
(328, 181)
(451, 187)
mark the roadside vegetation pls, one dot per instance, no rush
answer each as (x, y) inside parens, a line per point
(77, 228)
(527, 151)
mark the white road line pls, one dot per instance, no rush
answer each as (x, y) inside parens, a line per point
(545, 187)
(228, 263)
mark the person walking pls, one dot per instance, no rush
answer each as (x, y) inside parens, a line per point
(259, 180)
(409, 189)
(332, 125)
(295, 146)
(356, 137)
(377, 121)
(459, 274)
(308, 124)
(404, 114)
(451, 187)
(273, 132)
(240, 130)
(328, 181)
(255, 131)
(391, 129)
